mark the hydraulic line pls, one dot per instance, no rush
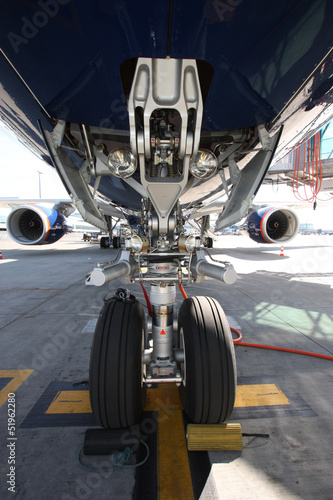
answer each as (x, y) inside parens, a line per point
(181, 288)
(238, 341)
(147, 300)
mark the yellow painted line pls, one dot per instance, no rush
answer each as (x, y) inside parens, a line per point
(18, 377)
(174, 476)
(259, 395)
(164, 400)
(70, 402)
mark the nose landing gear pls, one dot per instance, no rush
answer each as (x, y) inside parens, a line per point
(199, 358)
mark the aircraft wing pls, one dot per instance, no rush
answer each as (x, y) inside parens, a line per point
(65, 206)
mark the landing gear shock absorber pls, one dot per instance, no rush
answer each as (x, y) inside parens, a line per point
(162, 299)
(162, 366)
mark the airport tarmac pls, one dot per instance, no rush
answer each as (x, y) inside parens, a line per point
(284, 400)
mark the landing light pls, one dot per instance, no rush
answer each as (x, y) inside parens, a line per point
(122, 163)
(204, 165)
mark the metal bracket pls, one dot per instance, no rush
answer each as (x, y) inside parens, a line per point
(248, 182)
(90, 157)
(235, 173)
(64, 208)
(164, 194)
(72, 177)
(264, 137)
(224, 182)
(165, 84)
(58, 133)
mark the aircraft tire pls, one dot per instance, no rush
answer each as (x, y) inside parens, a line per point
(104, 242)
(209, 242)
(117, 392)
(116, 242)
(208, 392)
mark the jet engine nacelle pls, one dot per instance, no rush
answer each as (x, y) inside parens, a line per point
(271, 225)
(36, 225)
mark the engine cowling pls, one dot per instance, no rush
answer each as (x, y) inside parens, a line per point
(36, 225)
(271, 225)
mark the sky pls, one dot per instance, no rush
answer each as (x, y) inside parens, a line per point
(19, 169)
(19, 177)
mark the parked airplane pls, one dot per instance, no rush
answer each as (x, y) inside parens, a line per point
(151, 111)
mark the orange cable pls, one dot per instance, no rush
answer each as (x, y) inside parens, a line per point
(238, 341)
(147, 300)
(181, 288)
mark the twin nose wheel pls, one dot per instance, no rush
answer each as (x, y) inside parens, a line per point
(208, 368)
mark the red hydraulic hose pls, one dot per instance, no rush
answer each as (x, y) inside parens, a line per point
(147, 300)
(238, 341)
(181, 288)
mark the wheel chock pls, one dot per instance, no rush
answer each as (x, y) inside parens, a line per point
(214, 437)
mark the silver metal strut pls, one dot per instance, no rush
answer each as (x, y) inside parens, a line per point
(161, 359)
(162, 299)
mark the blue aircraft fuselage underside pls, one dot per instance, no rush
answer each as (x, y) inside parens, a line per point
(69, 53)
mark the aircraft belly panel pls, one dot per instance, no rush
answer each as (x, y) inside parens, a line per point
(21, 112)
(260, 55)
(69, 53)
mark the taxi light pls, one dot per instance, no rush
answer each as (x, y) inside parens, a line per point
(186, 243)
(204, 165)
(122, 163)
(139, 243)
